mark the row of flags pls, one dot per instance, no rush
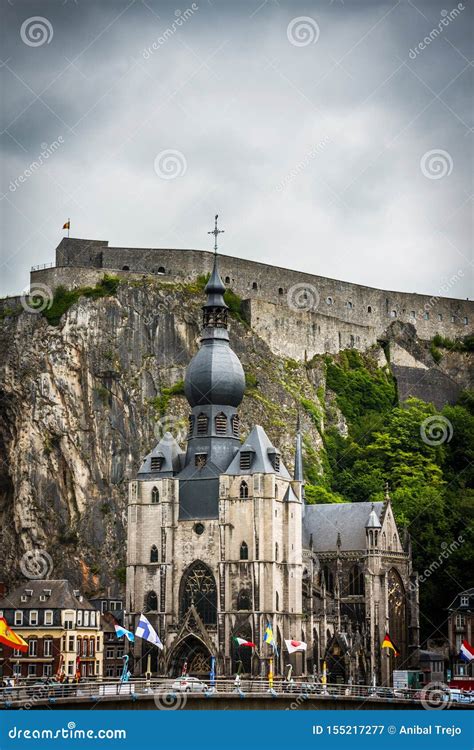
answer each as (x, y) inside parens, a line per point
(146, 631)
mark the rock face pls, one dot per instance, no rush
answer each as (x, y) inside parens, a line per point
(83, 402)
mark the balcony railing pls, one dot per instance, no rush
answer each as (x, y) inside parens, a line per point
(42, 266)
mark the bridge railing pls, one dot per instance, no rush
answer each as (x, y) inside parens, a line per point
(52, 691)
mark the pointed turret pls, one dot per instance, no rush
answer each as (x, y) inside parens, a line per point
(298, 472)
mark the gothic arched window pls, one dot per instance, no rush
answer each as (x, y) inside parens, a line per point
(198, 587)
(244, 490)
(356, 581)
(328, 579)
(221, 423)
(155, 495)
(277, 601)
(151, 602)
(397, 615)
(154, 554)
(244, 551)
(202, 422)
(244, 601)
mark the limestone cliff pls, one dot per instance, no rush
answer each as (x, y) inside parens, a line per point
(84, 400)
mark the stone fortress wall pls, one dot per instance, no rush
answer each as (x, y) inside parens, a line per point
(299, 314)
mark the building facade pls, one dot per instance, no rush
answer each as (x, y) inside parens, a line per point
(221, 543)
(461, 628)
(62, 630)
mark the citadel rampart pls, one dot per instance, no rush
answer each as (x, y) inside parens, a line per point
(336, 314)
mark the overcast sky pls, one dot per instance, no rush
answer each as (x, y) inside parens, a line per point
(325, 144)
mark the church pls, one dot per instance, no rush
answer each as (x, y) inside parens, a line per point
(221, 543)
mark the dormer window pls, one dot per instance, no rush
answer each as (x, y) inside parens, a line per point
(245, 460)
(274, 457)
(464, 601)
(157, 462)
(202, 423)
(190, 426)
(221, 423)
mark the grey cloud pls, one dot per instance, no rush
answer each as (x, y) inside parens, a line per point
(247, 110)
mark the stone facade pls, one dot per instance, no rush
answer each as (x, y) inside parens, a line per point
(221, 545)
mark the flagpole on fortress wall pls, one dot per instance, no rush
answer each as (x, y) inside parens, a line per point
(68, 226)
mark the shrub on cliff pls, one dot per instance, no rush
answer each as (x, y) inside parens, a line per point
(64, 298)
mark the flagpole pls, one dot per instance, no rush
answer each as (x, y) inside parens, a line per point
(68, 226)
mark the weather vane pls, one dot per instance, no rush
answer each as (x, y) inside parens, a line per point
(216, 232)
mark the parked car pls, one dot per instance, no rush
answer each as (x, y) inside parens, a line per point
(459, 696)
(189, 685)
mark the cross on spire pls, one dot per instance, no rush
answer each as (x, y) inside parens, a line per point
(216, 232)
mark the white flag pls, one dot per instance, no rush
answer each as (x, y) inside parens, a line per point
(146, 631)
(293, 646)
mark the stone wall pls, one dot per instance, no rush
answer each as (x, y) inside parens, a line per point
(352, 304)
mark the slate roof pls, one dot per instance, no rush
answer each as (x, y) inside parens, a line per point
(172, 455)
(62, 596)
(456, 603)
(259, 442)
(349, 520)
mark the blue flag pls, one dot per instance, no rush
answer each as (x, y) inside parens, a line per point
(121, 632)
(146, 631)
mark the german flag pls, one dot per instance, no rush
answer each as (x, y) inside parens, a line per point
(9, 638)
(388, 643)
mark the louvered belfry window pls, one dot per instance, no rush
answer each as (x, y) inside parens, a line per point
(190, 426)
(235, 425)
(245, 460)
(202, 422)
(221, 423)
(156, 463)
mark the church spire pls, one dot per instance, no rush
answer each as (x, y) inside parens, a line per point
(215, 309)
(298, 472)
